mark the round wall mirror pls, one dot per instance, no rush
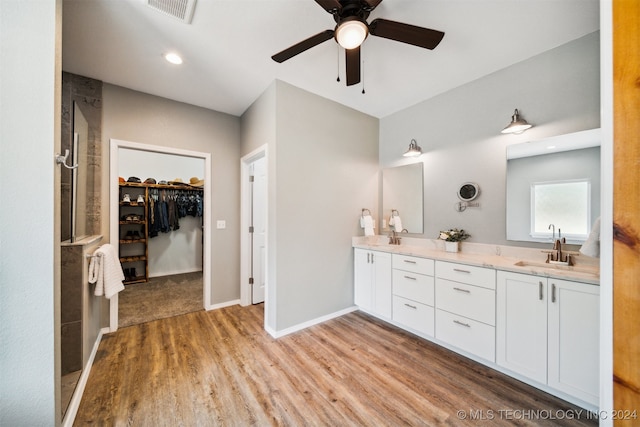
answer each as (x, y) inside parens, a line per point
(468, 191)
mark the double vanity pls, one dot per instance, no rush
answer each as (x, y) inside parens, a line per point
(501, 306)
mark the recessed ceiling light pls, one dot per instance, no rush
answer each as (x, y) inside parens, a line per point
(174, 58)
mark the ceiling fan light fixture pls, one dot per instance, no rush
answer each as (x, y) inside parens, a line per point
(414, 149)
(517, 125)
(351, 32)
(173, 58)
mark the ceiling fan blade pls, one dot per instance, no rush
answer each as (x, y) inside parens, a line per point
(330, 6)
(352, 60)
(406, 33)
(294, 50)
(371, 4)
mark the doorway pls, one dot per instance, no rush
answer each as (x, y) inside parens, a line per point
(203, 159)
(254, 254)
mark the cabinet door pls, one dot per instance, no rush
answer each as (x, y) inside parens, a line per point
(382, 298)
(574, 339)
(521, 324)
(363, 279)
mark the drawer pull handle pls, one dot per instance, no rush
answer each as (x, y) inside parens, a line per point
(540, 290)
(410, 278)
(466, 325)
(461, 271)
(466, 291)
(409, 261)
(411, 306)
(553, 292)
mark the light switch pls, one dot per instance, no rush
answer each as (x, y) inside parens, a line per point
(221, 224)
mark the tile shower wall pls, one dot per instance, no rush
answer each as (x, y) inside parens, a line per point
(87, 93)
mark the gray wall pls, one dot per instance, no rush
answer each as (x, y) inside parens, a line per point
(258, 127)
(139, 117)
(30, 228)
(459, 131)
(323, 171)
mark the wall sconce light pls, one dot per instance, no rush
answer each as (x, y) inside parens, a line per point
(517, 125)
(414, 149)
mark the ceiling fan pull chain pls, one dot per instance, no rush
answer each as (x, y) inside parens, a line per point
(338, 51)
(363, 92)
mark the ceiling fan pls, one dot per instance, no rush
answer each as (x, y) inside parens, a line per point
(352, 29)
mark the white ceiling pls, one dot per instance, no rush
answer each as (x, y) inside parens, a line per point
(228, 46)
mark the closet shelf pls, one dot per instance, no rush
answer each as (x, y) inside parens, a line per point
(134, 251)
(133, 258)
(161, 186)
(126, 242)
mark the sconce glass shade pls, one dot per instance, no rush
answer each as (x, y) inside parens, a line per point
(414, 149)
(517, 125)
(351, 33)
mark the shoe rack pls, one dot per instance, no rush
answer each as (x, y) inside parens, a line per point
(134, 232)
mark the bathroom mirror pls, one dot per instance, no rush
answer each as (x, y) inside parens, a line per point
(402, 190)
(79, 178)
(553, 186)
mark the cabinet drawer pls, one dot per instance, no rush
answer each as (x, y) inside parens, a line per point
(466, 300)
(466, 334)
(413, 286)
(413, 264)
(469, 274)
(413, 315)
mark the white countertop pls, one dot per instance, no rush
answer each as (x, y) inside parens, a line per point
(498, 257)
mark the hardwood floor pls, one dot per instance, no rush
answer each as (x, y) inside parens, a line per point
(222, 368)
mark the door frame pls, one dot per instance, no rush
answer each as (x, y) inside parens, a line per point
(114, 215)
(245, 236)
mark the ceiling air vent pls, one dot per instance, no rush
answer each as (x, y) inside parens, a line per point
(179, 9)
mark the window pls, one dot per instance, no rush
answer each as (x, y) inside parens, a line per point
(565, 204)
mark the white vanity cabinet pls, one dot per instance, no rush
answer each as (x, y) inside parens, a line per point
(548, 331)
(413, 294)
(372, 281)
(465, 307)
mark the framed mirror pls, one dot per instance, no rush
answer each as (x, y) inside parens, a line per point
(553, 188)
(402, 192)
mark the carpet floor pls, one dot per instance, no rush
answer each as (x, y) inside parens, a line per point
(159, 298)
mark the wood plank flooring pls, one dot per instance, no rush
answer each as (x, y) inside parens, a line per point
(221, 368)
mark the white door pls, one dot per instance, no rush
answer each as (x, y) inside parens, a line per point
(574, 345)
(259, 224)
(521, 324)
(363, 279)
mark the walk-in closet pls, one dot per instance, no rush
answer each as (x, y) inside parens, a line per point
(160, 225)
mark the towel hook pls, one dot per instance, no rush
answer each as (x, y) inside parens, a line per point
(365, 210)
(62, 160)
(394, 212)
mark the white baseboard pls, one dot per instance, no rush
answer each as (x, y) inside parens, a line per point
(209, 307)
(74, 404)
(304, 325)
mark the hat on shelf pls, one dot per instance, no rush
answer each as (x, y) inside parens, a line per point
(163, 182)
(196, 182)
(177, 181)
(149, 181)
(134, 179)
(120, 179)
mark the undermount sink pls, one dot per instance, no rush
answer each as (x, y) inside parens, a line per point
(593, 272)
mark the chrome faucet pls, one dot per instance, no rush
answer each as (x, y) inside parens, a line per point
(553, 235)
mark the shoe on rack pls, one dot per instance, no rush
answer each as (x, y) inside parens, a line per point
(140, 199)
(135, 235)
(126, 199)
(129, 235)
